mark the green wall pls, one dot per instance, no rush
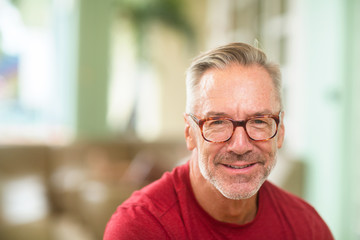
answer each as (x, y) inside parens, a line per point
(332, 87)
(351, 167)
(93, 69)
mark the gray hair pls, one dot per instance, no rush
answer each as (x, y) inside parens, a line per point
(221, 57)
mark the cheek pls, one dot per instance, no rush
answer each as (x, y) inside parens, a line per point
(268, 148)
(209, 151)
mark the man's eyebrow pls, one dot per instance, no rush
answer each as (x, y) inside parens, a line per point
(264, 112)
(216, 114)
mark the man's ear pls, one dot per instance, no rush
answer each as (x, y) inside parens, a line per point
(189, 134)
(281, 131)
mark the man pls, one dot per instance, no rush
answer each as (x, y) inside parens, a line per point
(233, 126)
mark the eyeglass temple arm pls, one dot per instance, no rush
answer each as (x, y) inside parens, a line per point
(194, 118)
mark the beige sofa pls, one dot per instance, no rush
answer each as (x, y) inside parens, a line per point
(70, 192)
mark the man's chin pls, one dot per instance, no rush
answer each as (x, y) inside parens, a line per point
(238, 191)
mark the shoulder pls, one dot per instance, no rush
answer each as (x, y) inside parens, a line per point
(280, 196)
(145, 214)
(299, 215)
(134, 222)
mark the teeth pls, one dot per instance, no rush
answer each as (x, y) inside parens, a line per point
(239, 167)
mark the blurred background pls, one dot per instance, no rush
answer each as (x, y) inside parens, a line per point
(92, 96)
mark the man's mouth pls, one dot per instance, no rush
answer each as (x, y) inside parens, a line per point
(238, 167)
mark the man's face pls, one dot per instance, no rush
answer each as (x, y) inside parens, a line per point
(238, 167)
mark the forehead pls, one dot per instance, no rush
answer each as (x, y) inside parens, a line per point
(237, 91)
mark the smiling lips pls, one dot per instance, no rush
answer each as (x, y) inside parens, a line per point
(239, 167)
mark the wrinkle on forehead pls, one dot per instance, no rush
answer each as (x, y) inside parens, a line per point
(237, 87)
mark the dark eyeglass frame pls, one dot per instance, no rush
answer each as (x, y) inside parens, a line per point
(200, 123)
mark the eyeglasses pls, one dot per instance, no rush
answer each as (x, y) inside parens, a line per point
(221, 129)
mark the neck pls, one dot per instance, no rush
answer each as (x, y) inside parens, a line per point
(215, 204)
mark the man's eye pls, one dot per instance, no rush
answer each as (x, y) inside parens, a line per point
(259, 121)
(217, 122)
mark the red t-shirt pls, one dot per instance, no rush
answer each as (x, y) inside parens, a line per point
(167, 209)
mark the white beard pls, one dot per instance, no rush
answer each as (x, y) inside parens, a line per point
(234, 190)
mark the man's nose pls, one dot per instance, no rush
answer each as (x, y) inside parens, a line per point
(240, 143)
